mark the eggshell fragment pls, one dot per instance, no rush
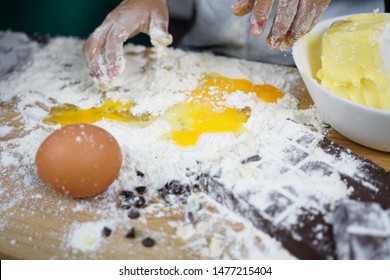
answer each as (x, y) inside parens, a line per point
(79, 160)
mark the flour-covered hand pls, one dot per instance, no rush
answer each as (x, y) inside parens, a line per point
(293, 18)
(103, 50)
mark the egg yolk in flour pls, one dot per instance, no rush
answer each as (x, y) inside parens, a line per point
(203, 111)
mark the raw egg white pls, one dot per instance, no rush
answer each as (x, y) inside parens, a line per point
(79, 160)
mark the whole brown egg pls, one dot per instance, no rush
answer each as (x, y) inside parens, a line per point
(79, 160)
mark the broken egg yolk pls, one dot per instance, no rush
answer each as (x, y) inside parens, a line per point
(266, 92)
(203, 111)
(70, 114)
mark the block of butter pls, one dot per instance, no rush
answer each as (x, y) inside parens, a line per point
(354, 60)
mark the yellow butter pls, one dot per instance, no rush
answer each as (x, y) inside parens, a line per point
(352, 63)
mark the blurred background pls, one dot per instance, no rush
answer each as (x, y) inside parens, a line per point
(78, 18)
(55, 17)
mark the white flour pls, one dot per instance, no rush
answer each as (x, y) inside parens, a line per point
(55, 75)
(88, 236)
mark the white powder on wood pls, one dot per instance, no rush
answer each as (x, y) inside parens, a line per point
(55, 75)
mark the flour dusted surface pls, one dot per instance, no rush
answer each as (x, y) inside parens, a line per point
(53, 74)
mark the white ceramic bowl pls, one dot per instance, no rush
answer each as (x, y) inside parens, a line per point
(362, 124)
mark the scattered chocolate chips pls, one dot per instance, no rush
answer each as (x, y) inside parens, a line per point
(130, 233)
(133, 214)
(148, 242)
(106, 232)
(174, 187)
(140, 189)
(129, 199)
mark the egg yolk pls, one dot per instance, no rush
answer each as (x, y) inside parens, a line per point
(266, 92)
(112, 110)
(202, 112)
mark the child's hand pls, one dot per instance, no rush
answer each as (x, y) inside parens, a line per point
(293, 18)
(103, 50)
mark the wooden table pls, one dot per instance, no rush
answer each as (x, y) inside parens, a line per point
(36, 227)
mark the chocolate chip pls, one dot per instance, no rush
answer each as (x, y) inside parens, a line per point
(148, 242)
(140, 174)
(191, 217)
(106, 232)
(139, 201)
(130, 233)
(136, 201)
(127, 194)
(164, 190)
(125, 205)
(176, 187)
(133, 214)
(140, 189)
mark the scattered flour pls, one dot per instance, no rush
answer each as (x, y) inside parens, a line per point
(88, 236)
(54, 75)
(4, 130)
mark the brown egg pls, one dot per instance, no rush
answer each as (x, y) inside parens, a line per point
(79, 160)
